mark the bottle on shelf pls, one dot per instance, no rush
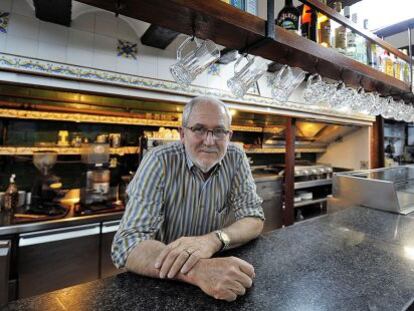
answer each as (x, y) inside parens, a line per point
(351, 38)
(308, 23)
(405, 69)
(288, 17)
(323, 28)
(11, 196)
(387, 63)
(339, 32)
(360, 46)
(250, 6)
(238, 4)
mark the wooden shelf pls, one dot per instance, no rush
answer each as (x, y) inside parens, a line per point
(89, 118)
(7, 150)
(235, 29)
(283, 150)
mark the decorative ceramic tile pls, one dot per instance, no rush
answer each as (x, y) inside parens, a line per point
(214, 70)
(4, 21)
(25, 64)
(127, 49)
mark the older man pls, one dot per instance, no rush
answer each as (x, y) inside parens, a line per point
(179, 203)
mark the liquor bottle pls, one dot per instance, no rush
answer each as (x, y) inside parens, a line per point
(288, 17)
(360, 47)
(11, 196)
(351, 39)
(373, 57)
(250, 6)
(308, 23)
(405, 69)
(238, 4)
(340, 32)
(388, 64)
(324, 28)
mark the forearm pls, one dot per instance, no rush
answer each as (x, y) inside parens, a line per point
(244, 230)
(141, 260)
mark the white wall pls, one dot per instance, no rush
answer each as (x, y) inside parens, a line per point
(350, 152)
(400, 39)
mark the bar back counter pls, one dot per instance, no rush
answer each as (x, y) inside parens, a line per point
(354, 259)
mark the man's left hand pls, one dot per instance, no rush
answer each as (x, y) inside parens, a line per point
(184, 253)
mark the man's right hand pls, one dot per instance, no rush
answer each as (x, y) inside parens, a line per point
(223, 278)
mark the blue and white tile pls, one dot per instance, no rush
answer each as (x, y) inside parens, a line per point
(52, 52)
(5, 5)
(126, 49)
(53, 33)
(84, 22)
(147, 53)
(79, 56)
(201, 80)
(106, 24)
(22, 46)
(104, 61)
(104, 44)
(23, 26)
(22, 7)
(127, 66)
(147, 69)
(3, 43)
(126, 32)
(4, 22)
(81, 40)
(163, 68)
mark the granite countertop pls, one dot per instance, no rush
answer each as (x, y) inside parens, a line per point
(355, 259)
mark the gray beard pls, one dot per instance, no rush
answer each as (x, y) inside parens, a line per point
(205, 169)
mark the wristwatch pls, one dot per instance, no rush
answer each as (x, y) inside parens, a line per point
(224, 239)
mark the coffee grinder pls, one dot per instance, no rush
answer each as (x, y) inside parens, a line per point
(95, 186)
(46, 188)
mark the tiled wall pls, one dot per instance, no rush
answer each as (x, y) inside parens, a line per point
(92, 41)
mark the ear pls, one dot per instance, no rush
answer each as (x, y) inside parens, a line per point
(230, 135)
(181, 129)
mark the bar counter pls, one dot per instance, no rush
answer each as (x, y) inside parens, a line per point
(355, 259)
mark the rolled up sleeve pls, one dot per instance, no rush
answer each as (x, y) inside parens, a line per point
(143, 215)
(243, 196)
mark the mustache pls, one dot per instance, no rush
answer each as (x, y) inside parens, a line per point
(209, 149)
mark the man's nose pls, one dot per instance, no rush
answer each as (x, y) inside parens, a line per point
(209, 140)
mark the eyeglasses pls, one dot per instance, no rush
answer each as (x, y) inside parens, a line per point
(202, 132)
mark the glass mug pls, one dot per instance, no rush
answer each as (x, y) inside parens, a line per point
(285, 82)
(190, 65)
(317, 90)
(245, 77)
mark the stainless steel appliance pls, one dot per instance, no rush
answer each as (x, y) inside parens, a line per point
(5, 249)
(390, 189)
(313, 185)
(95, 189)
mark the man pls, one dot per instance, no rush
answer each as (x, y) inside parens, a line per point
(180, 200)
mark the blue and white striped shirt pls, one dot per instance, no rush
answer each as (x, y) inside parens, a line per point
(169, 198)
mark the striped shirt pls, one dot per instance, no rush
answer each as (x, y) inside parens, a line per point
(169, 198)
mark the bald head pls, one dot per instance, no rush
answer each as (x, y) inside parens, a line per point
(207, 100)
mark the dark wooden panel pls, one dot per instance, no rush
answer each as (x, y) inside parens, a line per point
(54, 11)
(235, 29)
(50, 266)
(377, 143)
(289, 176)
(158, 37)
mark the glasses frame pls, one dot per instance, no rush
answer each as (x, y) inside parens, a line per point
(193, 129)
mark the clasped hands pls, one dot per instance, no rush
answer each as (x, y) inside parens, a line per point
(223, 278)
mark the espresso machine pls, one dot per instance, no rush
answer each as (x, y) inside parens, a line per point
(46, 190)
(96, 193)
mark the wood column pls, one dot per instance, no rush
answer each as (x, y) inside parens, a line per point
(289, 177)
(377, 143)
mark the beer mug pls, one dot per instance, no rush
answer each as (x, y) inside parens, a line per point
(285, 82)
(190, 65)
(244, 78)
